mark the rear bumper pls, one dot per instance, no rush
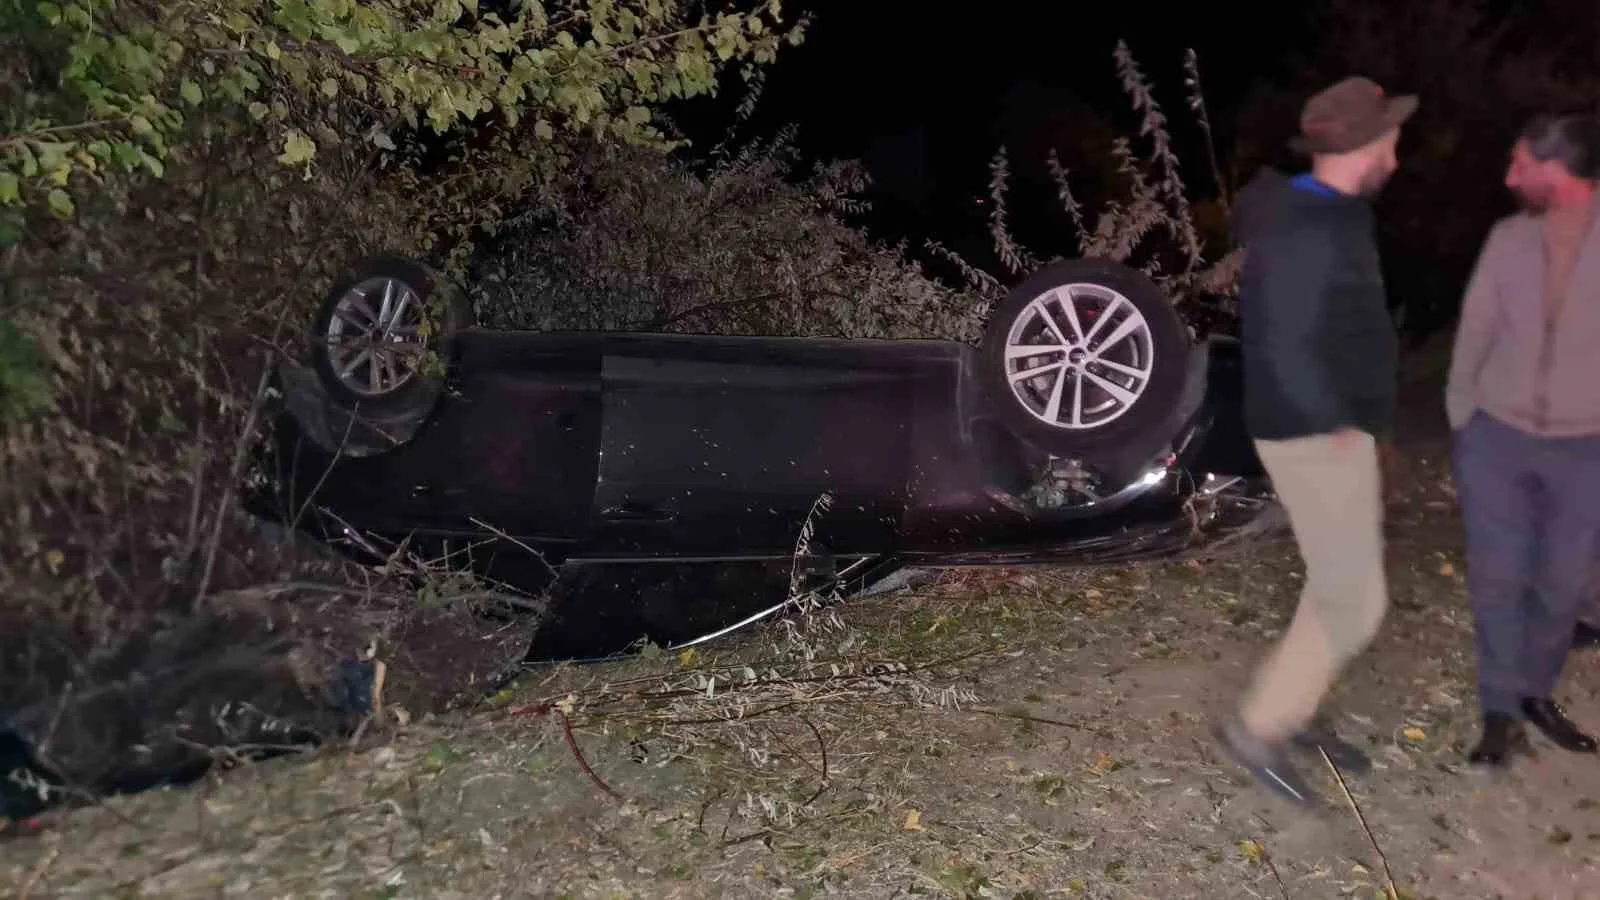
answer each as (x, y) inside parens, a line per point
(1223, 511)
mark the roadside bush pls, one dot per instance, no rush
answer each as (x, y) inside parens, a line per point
(178, 185)
(750, 244)
(1153, 224)
(645, 242)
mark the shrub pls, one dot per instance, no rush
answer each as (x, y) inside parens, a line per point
(187, 176)
(178, 183)
(751, 245)
(1153, 225)
(646, 243)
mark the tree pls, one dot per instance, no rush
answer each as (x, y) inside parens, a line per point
(108, 84)
(98, 92)
(178, 184)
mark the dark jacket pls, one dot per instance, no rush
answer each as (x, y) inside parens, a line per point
(1319, 346)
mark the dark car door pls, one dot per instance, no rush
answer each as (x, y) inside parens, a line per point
(513, 445)
(720, 446)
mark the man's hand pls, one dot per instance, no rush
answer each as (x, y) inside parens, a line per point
(1348, 438)
(1392, 474)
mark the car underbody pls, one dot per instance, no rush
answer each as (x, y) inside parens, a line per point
(675, 582)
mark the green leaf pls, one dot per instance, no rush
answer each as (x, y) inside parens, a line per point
(52, 155)
(330, 88)
(12, 228)
(191, 92)
(61, 203)
(297, 148)
(128, 155)
(9, 188)
(543, 131)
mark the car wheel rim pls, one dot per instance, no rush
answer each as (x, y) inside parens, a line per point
(374, 337)
(1079, 356)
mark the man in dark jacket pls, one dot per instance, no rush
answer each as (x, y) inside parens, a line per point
(1319, 363)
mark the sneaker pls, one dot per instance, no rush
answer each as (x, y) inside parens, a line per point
(1347, 756)
(1267, 763)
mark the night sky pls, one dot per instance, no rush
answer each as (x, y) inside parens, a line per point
(925, 99)
(870, 67)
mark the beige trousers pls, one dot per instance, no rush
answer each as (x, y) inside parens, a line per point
(1330, 487)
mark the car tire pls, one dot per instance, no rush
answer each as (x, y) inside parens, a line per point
(1133, 385)
(333, 427)
(390, 377)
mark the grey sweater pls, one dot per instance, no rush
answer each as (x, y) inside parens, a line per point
(1523, 354)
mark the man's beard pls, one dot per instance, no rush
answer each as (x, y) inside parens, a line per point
(1531, 201)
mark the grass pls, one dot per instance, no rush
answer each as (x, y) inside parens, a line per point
(1030, 733)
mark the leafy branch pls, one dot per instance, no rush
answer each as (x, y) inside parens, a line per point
(317, 72)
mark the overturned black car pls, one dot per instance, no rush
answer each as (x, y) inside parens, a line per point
(669, 488)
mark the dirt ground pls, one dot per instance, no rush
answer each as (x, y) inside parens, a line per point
(1008, 734)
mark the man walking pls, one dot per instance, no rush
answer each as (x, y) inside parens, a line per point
(1524, 402)
(1320, 381)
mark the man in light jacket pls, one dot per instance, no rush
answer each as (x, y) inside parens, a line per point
(1524, 402)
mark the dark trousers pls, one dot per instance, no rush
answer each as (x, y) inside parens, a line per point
(1531, 506)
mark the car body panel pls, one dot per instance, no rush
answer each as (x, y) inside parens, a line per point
(663, 487)
(726, 448)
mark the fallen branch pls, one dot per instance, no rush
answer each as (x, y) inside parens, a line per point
(273, 589)
(543, 709)
(822, 748)
(1283, 890)
(1383, 860)
(37, 875)
(505, 536)
(1038, 720)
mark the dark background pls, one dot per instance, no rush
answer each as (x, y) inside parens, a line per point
(925, 95)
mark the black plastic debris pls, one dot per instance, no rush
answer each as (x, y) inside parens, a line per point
(27, 788)
(352, 687)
